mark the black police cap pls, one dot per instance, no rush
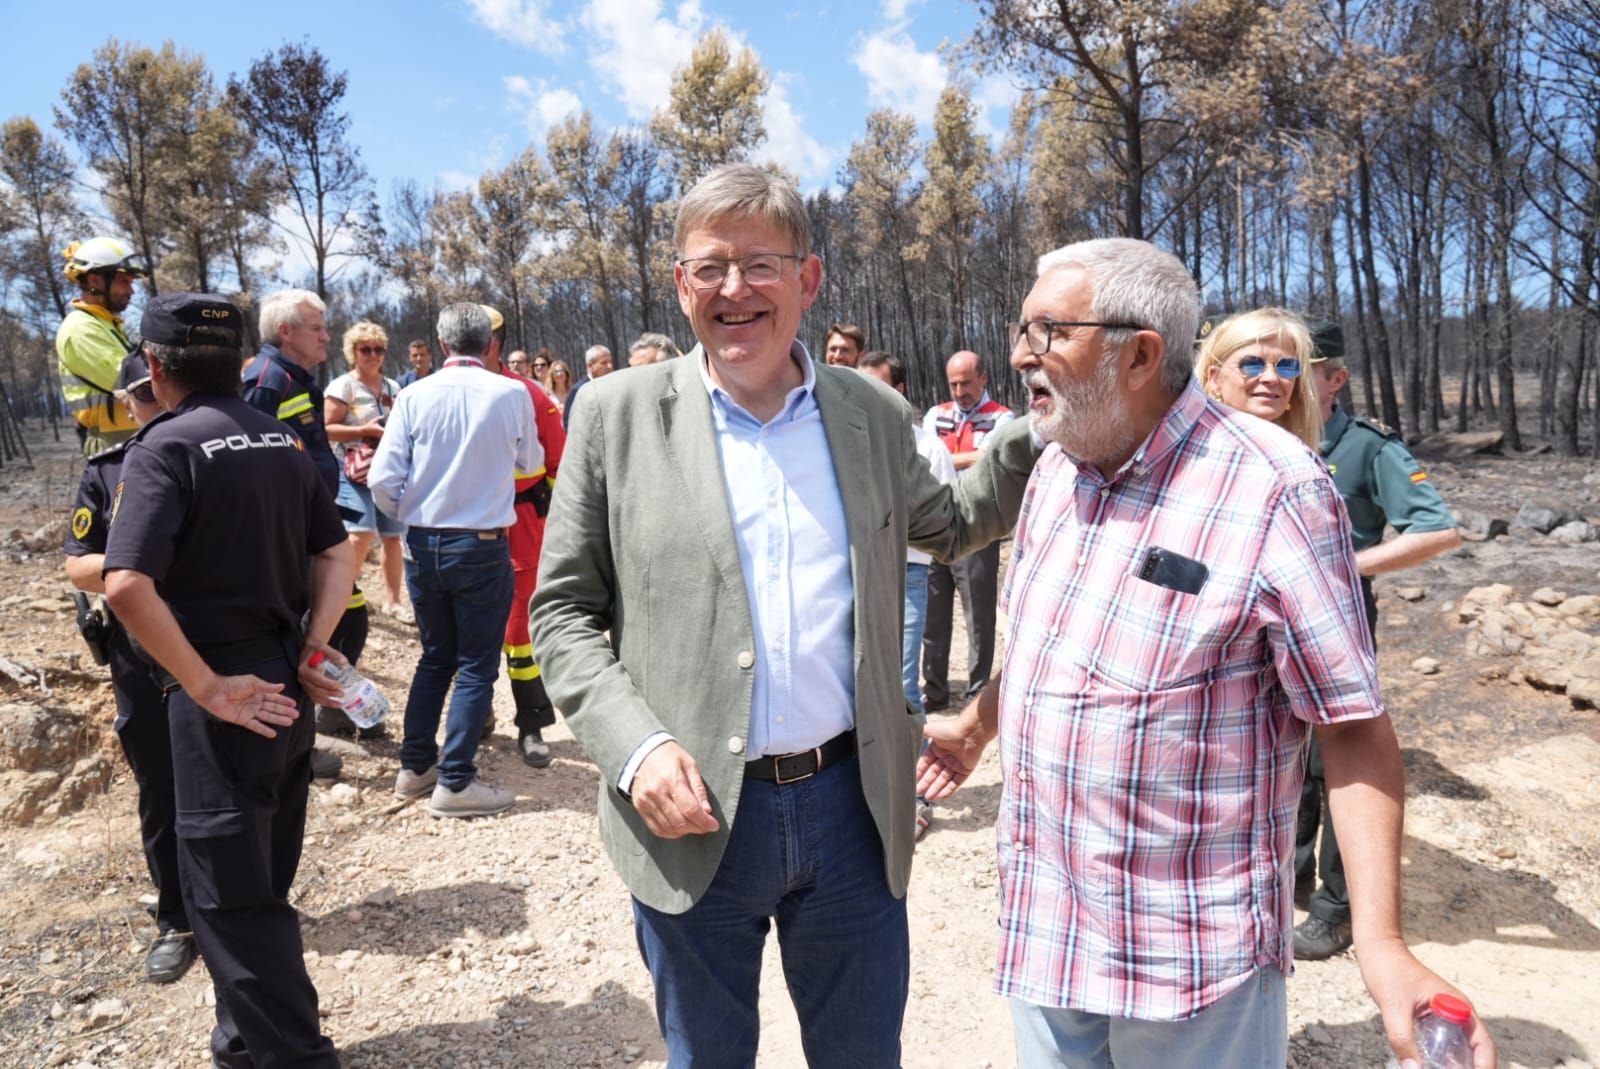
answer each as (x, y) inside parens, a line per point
(1327, 340)
(183, 319)
(133, 372)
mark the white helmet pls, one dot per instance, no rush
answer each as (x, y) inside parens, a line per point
(102, 254)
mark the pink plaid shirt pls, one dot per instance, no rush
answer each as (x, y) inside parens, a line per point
(1152, 741)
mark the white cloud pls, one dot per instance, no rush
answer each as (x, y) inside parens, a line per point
(541, 106)
(522, 22)
(896, 10)
(900, 75)
(994, 98)
(787, 141)
(637, 46)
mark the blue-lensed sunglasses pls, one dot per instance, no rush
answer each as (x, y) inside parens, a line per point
(1253, 367)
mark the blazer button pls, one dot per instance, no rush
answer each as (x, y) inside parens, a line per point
(735, 744)
(746, 659)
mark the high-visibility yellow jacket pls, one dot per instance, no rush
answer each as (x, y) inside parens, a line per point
(91, 346)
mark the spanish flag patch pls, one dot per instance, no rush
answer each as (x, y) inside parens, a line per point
(1419, 476)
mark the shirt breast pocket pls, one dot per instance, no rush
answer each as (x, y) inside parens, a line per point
(1159, 639)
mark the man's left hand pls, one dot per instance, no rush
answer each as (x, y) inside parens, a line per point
(1402, 987)
(318, 687)
(248, 701)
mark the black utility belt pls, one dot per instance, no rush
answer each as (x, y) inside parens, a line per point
(789, 767)
(537, 495)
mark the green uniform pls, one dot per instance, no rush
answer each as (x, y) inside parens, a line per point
(91, 346)
(1382, 484)
(1380, 480)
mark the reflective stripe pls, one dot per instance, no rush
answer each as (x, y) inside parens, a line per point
(358, 600)
(519, 475)
(519, 661)
(293, 406)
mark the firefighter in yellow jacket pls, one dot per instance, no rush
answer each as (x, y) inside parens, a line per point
(91, 343)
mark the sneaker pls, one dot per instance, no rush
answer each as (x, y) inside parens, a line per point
(924, 817)
(409, 784)
(325, 765)
(476, 799)
(169, 957)
(400, 611)
(535, 751)
(1316, 939)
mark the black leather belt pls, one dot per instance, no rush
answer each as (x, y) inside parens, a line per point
(789, 767)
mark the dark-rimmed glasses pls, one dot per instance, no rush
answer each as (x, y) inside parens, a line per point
(144, 392)
(757, 269)
(1040, 332)
(372, 350)
(1253, 367)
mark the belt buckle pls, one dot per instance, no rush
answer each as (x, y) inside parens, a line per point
(777, 769)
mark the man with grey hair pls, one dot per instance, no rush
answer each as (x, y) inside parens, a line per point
(444, 468)
(279, 382)
(1183, 610)
(597, 364)
(732, 661)
(652, 348)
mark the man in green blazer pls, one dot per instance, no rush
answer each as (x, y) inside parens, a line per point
(719, 616)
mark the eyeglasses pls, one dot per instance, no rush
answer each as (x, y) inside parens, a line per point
(757, 269)
(144, 392)
(372, 350)
(540, 364)
(1253, 367)
(1040, 332)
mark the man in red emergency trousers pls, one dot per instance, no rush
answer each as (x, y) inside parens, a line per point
(534, 710)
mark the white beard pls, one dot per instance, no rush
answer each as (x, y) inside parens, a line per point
(1088, 419)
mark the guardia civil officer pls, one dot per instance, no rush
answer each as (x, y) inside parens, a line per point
(141, 723)
(212, 483)
(1382, 484)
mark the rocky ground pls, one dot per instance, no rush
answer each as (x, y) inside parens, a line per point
(508, 942)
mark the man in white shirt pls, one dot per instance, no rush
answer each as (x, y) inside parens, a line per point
(444, 468)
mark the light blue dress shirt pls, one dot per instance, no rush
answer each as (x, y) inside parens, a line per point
(794, 551)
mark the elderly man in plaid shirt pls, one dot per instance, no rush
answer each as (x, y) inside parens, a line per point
(1183, 609)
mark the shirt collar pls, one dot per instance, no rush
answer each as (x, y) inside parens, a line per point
(100, 313)
(1334, 429)
(1166, 436)
(808, 382)
(967, 413)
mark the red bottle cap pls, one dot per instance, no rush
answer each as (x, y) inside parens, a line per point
(316, 658)
(1452, 1008)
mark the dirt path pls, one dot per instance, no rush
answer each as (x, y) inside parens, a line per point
(509, 942)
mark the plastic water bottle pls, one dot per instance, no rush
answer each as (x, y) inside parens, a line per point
(361, 700)
(1442, 1034)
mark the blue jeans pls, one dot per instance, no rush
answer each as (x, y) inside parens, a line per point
(916, 618)
(461, 585)
(1249, 1026)
(808, 854)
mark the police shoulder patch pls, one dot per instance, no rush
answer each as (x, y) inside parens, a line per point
(82, 518)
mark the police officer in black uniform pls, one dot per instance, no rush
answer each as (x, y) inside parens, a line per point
(141, 723)
(1382, 484)
(209, 485)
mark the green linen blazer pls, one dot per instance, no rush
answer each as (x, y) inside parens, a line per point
(641, 620)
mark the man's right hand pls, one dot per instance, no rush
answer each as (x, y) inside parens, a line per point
(955, 746)
(670, 795)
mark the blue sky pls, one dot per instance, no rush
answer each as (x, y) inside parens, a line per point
(440, 91)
